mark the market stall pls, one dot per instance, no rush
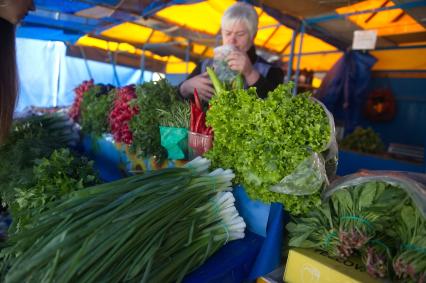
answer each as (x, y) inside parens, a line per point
(125, 181)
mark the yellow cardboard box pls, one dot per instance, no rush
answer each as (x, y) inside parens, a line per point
(316, 266)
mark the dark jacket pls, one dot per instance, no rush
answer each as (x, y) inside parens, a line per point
(264, 84)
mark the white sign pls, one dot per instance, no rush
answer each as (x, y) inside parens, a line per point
(364, 39)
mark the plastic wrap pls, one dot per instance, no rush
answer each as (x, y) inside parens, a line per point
(306, 179)
(314, 172)
(220, 66)
(413, 183)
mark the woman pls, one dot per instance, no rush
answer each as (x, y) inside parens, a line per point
(239, 28)
(11, 12)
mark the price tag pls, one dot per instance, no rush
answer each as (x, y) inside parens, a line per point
(364, 40)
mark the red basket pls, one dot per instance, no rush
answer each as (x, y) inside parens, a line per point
(199, 143)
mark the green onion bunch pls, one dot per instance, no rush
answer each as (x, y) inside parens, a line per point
(155, 227)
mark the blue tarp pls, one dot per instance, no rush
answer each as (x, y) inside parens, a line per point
(343, 89)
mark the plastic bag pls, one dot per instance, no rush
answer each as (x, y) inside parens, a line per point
(308, 178)
(199, 144)
(314, 172)
(174, 140)
(413, 183)
(220, 66)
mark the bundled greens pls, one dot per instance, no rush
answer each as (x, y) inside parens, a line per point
(155, 227)
(363, 140)
(54, 177)
(94, 110)
(410, 261)
(373, 215)
(150, 97)
(265, 140)
(31, 138)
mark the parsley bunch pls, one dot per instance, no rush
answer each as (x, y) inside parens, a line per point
(263, 141)
(150, 97)
(95, 108)
(54, 176)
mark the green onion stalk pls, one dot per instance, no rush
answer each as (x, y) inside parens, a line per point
(155, 227)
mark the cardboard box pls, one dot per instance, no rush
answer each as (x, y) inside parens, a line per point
(316, 266)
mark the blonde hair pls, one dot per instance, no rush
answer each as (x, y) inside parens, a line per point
(241, 12)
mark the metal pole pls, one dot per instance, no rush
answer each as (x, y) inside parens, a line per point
(296, 76)
(187, 53)
(86, 63)
(142, 66)
(290, 60)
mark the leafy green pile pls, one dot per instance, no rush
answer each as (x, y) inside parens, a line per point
(374, 219)
(94, 110)
(150, 98)
(31, 138)
(53, 177)
(363, 140)
(263, 141)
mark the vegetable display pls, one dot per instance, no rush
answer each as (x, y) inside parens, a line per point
(121, 113)
(74, 111)
(59, 174)
(363, 140)
(372, 215)
(30, 139)
(264, 141)
(164, 224)
(95, 108)
(151, 97)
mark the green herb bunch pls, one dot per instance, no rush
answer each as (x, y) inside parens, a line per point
(176, 116)
(30, 139)
(54, 177)
(363, 140)
(409, 262)
(150, 98)
(94, 110)
(263, 141)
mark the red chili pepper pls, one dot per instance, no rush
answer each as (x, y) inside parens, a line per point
(197, 99)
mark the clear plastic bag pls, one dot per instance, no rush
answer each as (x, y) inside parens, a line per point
(314, 172)
(220, 66)
(308, 178)
(413, 183)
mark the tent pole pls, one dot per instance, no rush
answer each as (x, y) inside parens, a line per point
(86, 63)
(296, 76)
(142, 66)
(290, 60)
(187, 52)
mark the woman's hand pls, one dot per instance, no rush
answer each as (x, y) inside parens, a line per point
(203, 85)
(240, 62)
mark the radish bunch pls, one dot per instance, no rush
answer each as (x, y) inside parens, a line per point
(121, 114)
(74, 112)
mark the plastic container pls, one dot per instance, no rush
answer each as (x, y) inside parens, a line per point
(199, 144)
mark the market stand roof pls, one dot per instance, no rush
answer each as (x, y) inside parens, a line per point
(168, 33)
